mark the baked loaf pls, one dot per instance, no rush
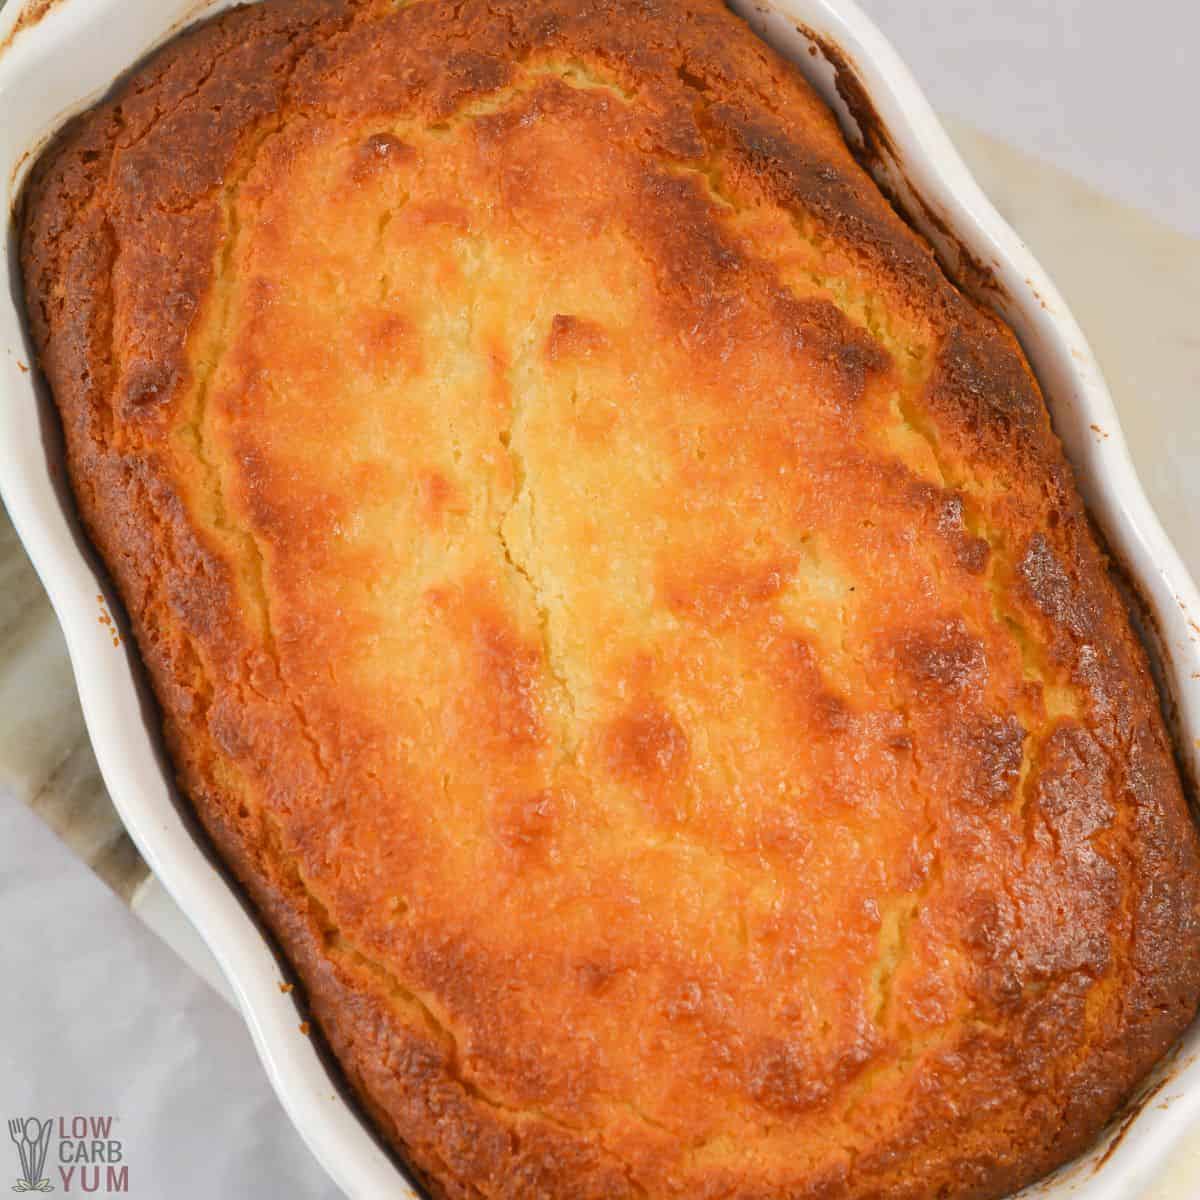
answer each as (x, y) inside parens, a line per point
(620, 612)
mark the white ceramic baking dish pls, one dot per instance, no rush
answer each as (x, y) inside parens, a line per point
(65, 60)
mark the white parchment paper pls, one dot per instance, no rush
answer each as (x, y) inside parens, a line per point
(99, 1019)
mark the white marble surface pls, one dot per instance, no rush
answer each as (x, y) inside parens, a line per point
(108, 1019)
(1134, 285)
(1105, 89)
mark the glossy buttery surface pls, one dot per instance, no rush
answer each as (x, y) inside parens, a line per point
(623, 615)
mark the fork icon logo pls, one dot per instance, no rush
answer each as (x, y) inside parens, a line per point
(32, 1139)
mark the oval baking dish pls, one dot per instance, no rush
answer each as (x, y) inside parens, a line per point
(59, 63)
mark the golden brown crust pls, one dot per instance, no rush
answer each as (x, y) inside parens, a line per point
(620, 612)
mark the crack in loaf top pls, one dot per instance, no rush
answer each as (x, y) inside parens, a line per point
(622, 614)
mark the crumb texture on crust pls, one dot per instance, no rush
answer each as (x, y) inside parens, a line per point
(621, 613)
